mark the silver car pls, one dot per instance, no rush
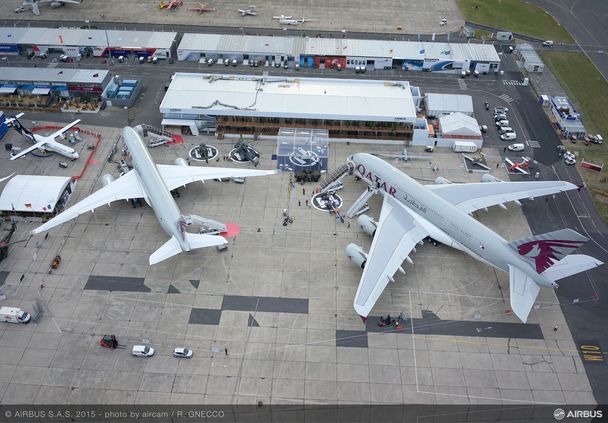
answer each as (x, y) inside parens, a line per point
(182, 353)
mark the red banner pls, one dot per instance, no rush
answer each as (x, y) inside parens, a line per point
(592, 166)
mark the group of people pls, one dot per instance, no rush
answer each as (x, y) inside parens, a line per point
(389, 321)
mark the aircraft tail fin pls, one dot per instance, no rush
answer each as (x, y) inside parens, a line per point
(172, 246)
(523, 291)
(545, 250)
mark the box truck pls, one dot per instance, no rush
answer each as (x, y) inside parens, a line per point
(14, 315)
(464, 147)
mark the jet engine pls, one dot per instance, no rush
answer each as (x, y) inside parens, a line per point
(181, 162)
(367, 224)
(442, 181)
(356, 255)
(107, 179)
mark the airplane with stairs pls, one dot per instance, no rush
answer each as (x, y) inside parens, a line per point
(154, 184)
(412, 212)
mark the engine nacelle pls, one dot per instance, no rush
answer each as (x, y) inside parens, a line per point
(367, 224)
(181, 162)
(107, 179)
(442, 181)
(356, 255)
(489, 178)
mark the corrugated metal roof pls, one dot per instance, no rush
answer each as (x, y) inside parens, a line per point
(33, 193)
(83, 76)
(413, 50)
(86, 37)
(312, 98)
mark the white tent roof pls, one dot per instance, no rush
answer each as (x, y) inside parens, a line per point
(459, 124)
(33, 193)
(447, 103)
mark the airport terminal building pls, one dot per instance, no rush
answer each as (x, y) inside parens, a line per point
(260, 105)
(348, 53)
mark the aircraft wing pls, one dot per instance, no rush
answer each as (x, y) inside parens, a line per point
(124, 188)
(29, 150)
(177, 176)
(64, 129)
(471, 197)
(397, 234)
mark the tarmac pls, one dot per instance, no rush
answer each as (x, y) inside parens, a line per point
(271, 318)
(393, 16)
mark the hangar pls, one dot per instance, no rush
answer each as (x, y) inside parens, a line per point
(35, 195)
(260, 105)
(87, 42)
(349, 53)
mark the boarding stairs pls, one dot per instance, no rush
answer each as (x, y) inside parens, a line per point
(333, 179)
(157, 136)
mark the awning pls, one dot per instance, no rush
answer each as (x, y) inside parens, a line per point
(7, 90)
(177, 122)
(41, 91)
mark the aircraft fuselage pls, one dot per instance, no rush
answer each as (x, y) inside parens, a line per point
(444, 221)
(157, 195)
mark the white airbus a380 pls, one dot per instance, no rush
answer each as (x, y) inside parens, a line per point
(154, 183)
(412, 212)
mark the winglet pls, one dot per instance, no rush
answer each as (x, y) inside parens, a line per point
(364, 319)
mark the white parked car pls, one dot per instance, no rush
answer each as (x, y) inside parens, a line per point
(143, 351)
(548, 43)
(509, 136)
(569, 158)
(516, 147)
(182, 353)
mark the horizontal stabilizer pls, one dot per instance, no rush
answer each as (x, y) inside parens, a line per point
(168, 249)
(203, 240)
(523, 293)
(544, 250)
(571, 265)
(173, 247)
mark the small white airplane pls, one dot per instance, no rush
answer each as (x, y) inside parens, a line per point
(281, 17)
(521, 167)
(154, 184)
(33, 4)
(288, 21)
(248, 12)
(411, 212)
(44, 143)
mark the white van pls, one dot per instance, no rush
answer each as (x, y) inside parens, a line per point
(502, 123)
(516, 147)
(505, 129)
(509, 136)
(14, 315)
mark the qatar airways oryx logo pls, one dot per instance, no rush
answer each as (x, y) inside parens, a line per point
(376, 181)
(560, 414)
(545, 252)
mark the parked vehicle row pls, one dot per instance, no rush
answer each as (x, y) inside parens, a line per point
(148, 351)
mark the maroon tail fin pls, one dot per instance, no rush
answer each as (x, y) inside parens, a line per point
(544, 250)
